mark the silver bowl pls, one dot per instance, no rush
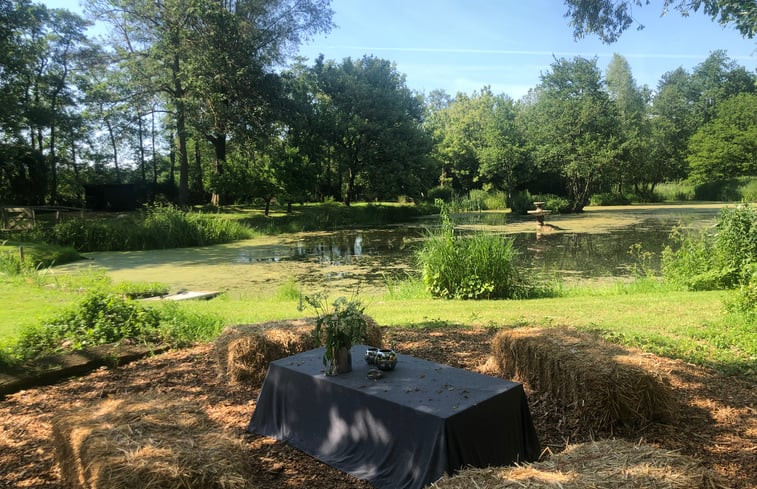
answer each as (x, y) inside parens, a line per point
(385, 359)
(370, 355)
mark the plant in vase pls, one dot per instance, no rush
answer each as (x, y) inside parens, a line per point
(338, 326)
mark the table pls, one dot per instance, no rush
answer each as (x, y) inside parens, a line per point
(402, 431)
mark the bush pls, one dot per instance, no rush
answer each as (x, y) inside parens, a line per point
(521, 202)
(141, 290)
(443, 193)
(609, 198)
(728, 190)
(706, 261)
(159, 228)
(475, 267)
(554, 203)
(99, 319)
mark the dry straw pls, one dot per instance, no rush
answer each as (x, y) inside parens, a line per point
(591, 381)
(141, 442)
(245, 351)
(610, 464)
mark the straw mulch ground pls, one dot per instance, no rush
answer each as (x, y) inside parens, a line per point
(145, 440)
(605, 464)
(719, 424)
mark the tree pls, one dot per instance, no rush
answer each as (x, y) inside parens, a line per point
(377, 135)
(674, 120)
(230, 67)
(572, 127)
(726, 146)
(478, 141)
(631, 104)
(608, 19)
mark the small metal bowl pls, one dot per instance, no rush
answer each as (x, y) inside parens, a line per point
(370, 355)
(386, 359)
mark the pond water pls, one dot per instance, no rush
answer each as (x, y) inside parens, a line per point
(594, 244)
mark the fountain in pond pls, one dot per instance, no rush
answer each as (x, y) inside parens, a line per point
(539, 212)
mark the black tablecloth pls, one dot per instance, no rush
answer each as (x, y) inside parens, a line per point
(402, 431)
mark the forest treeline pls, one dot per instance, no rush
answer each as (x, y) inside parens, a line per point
(198, 102)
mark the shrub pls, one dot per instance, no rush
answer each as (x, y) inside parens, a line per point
(181, 327)
(520, 202)
(609, 198)
(439, 192)
(159, 228)
(704, 261)
(475, 267)
(141, 290)
(99, 319)
(552, 202)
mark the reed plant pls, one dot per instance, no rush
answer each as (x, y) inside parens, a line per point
(157, 228)
(479, 266)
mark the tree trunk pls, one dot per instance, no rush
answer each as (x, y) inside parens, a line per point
(140, 130)
(115, 149)
(181, 131)
(197, 181)
(172, 159)
(219, 149)
(154, 158)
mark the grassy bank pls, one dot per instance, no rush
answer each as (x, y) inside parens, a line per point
(680, 324)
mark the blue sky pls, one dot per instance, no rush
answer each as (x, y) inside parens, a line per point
(462, 45)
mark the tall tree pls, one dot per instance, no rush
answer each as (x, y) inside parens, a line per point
(235, 47)
(608, 19)
(631, 103)
(572, 126)
(726, 146)
(377, 134)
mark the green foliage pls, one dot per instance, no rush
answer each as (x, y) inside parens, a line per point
(469, 267)
(706, 261)
(442, 193)
(140, 290)
(99, 319)
(479, 200)
(609, 198)
(725, 147)
(521, 202)
(554, 203)
(727, 190)
(289, 290)
(180, 327)
(675, 191)
(338, 325)
(159, 228)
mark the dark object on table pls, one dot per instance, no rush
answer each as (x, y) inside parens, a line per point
(386, 359)
(402, 432)
(375, 374)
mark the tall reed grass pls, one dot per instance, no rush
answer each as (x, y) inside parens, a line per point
(156, 228)
(479, 266)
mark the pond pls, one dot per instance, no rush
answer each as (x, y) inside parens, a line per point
(592, 245)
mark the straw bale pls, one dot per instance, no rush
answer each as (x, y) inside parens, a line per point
(143, 442)
(608, 464)
(597, 384)
(244, 351)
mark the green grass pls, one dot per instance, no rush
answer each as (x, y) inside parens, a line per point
(680, 324)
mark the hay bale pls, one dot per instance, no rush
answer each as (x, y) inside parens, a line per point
(244, 351)
(609, 464)
(594, 382)
(147, 442)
